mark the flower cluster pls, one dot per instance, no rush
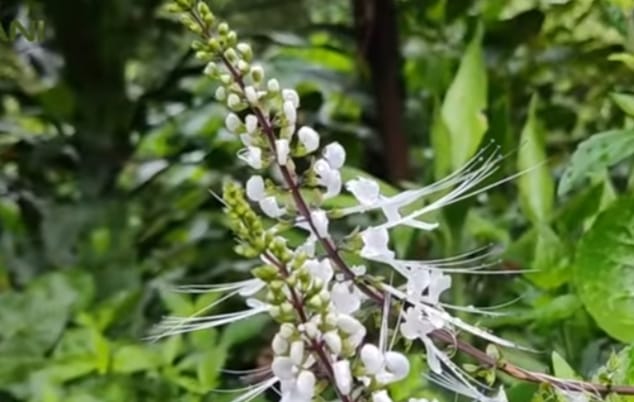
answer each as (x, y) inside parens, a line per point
(310, 290)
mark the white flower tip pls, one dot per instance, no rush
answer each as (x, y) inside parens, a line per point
(233, 122)
(282, 150)
(335, 154)
(343, 376)
(309, 138)
(290, 95)
(255, 188)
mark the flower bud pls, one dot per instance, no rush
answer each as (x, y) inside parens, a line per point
(287, 330)
(251, 94)
(279, 345)
(273, 85)
(397, 364)
(309, 138)
(282, 367)
(372, 358)
(223, 28)
(282, 149)
(243, 66)
(289, 112)
(343, 376)
(221, 94)
(257, 73)
(251, 123)
(245, 50)
(233, 122)
(233, 101)
(290, 95)
(320, 221)
(306, 384)
(335, 154)
(297, 352)
(381, 396)
(333, 341)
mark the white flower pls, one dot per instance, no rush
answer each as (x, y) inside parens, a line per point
(343, 376)
(282, 149)
(252, 156)
(375, 244)
(328, 177)
(372, 359)
(349, 324)
(320, 221)
(233, 122)
(320, 269)
(270, 208)
(309, 138)
(279, 344)
(306, 384)
(333, 341)
(397, 364)
(251, 94)
(251, 123)
(438, 283)
(283, 368)
(273, 85)
(346, 297)
(290, 95)
(255, 188)
(366, 191)
(415, 325)
(289, 112)
(381, 396)
(335, 154)
(297, 352)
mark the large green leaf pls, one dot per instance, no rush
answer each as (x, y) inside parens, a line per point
(537, 187)
(604, 270)
(596, 154)
(464, 104)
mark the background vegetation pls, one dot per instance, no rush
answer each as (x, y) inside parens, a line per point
(110, 140)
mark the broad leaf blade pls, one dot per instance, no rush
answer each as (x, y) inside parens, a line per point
(464, 104)
(604, 270)
(596, 154)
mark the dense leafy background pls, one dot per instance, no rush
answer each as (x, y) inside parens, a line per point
(110, 140)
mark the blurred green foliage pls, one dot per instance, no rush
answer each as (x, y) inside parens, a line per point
(110, 141)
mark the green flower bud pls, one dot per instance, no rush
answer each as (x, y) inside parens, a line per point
(267, 273)
(231, 55)
(232, 38)
(223, 28)
(202, 55)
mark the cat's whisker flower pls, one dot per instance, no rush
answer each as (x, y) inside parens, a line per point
(311, 291)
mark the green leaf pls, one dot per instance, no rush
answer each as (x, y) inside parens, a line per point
(596, 154)
(441, 143)
(550, 260)
(244, 330)
(624, 101)
(465, 102)
(604, 270)
(132, 358)
(561, 368)
(536, 186)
